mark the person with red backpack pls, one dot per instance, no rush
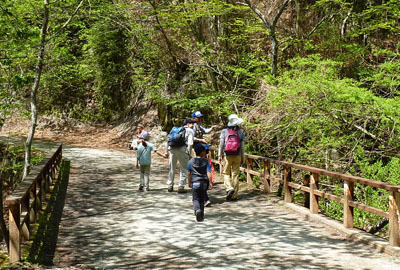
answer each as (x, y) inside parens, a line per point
(231, 150)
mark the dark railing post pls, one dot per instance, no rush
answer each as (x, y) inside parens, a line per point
(25, 227)
(348, 217)
(394, 206)
(306, 183)
(267, 174)
(287, 178)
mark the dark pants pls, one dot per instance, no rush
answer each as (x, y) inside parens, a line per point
(199, 190)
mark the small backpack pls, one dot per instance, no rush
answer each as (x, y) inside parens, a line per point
(232, 141)
(177, 136)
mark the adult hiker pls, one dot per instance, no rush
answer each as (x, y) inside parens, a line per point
(180, 143)
(231, 150)
(198, 130)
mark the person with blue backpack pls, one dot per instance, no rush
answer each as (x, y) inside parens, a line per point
(231, 151)
(180, 143)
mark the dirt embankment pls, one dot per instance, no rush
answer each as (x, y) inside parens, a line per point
(73, 132)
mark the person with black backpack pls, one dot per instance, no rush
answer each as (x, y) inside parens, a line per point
(180, 143)
(231, 150)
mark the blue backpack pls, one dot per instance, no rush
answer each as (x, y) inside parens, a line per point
(177, 136)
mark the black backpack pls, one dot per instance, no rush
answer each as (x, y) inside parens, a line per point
(176, 136)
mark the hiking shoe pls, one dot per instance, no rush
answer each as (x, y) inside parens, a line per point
(207, 204)
(170, 188)
(182, 190)
(199, 216)
(229, 195)
(141, 188)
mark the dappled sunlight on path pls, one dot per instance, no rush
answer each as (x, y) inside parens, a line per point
(108, 224)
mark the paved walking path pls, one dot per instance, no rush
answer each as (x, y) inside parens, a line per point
(108, 224)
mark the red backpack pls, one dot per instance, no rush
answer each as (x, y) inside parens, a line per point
(232, 141)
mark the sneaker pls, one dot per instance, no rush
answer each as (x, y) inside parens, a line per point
(199, 215)
(207, 204)
(141, 188)
(182, 190)
(147, 189)
(229, 195)
(170, 188)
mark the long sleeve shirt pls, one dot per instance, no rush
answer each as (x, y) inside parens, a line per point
(222, 139)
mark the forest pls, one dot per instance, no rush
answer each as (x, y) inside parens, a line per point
(317, 81)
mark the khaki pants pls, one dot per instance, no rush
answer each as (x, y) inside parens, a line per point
(232, 165)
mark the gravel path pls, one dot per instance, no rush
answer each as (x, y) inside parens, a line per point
(108, 224)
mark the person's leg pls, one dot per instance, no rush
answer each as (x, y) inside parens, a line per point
(141, 183)
(146, 177)
(172, 168)
(183, 162)
(227, 173)
(207, 201)
(197, 200)
(203, 192)
(235, 175)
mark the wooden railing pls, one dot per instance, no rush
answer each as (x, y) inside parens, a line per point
(27, 199)
(267, 172)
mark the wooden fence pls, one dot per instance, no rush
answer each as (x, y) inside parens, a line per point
(27, 199)
(267, 172)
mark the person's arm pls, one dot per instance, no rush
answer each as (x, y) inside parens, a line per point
(161, 154)
(242, 141)
(139, 153)
(221, 146)
(188, 168)
(208, 130)
(210, 183)
(189, 179)
(190, 138)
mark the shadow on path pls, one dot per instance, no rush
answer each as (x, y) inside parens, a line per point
(44, 244)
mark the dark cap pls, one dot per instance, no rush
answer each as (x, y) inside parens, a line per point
(188, 121)
(198, 148)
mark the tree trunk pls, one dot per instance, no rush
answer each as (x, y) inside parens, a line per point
(35, 87)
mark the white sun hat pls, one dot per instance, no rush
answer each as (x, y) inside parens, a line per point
(234, 120)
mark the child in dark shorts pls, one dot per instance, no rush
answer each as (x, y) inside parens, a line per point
(199, 175)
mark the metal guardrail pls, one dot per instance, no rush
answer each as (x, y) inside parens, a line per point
(27, 200)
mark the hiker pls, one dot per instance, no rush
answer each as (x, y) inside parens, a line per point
(137, 140)
(231, 150)
(199, 132)
(144, 149)
(179, 152)
(199, 177)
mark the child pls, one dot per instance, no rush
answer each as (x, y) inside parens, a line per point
(199, 175)
(144, 159)
(207, 201)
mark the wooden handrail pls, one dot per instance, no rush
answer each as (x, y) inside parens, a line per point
(313, 193)
(27, 199)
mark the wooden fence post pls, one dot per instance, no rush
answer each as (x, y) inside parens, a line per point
(348, 211)
(25, 228)
(313, 197)
(15, 234)
(306, 183)
(267, 174)
(286, 180)
(394, 206)
(249, 176)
